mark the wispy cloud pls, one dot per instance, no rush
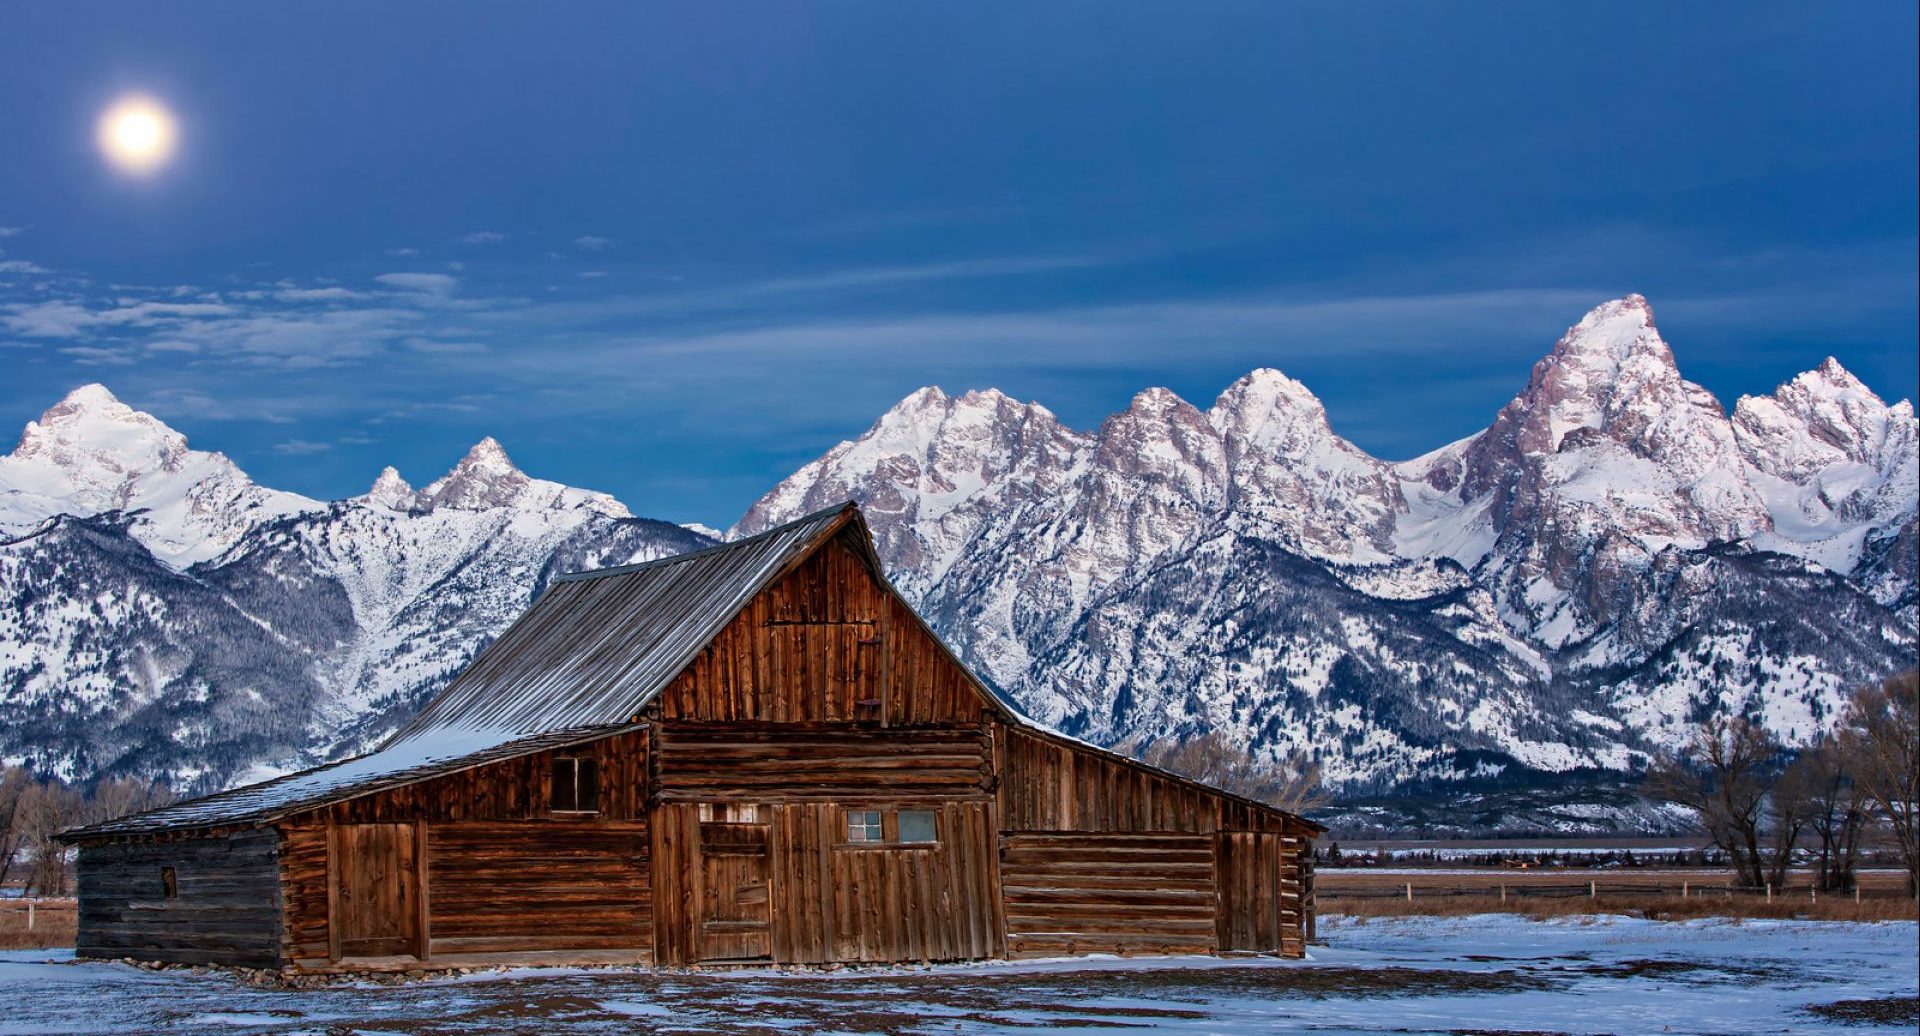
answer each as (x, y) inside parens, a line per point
(592, 243)
(332, 294)
(426, 283)
(11, 231)
(21, 266)
(403, 253)
(483, 237)
(94, 356)
(301, 448)
(431, 345)
(61, 318)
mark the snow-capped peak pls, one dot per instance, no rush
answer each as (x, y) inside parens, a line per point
(486, 479)
(390, 491)
(1615, 331)
(1835, 464)
(90, 454)
(1266, 405)
(100, 444)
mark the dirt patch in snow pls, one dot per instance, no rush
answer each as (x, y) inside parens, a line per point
(1886, 1010)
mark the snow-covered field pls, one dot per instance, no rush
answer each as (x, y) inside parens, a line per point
(1486, 975)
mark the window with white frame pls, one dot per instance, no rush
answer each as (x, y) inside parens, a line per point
(865, 826)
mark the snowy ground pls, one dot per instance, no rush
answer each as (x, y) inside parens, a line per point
(1494, 974)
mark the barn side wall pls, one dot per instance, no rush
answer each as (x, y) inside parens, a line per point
(225, 907)
(1100, 856)
(504, 875)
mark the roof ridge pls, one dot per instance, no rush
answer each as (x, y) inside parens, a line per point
(674, 559)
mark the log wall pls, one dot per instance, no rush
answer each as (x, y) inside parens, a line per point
(1077, 859)
(504, 874)
(531, 887)
(1069, 894)
(716, 762)
(225, 910)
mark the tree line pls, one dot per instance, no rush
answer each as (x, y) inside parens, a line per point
(33, 812)
(1756, 800)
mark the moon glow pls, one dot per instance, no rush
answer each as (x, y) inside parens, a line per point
(136, 134)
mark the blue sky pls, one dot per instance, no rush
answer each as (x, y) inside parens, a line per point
(674, 251)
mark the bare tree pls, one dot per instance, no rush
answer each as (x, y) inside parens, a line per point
(1790, 802)
(46, 809)
(1837, 811)
(1723, 774)
(122, 796)
(1292, 785)
(14, 783)
(1880, 731)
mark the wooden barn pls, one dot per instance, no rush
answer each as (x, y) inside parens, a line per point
(753, 753)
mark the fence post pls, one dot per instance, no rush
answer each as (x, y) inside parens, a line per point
(1683, 890)
(29, 915)
(1769, 891)
(1813, 894)
(1856, 893)
(1503, 893)
(1593, 890)
(1409, 891)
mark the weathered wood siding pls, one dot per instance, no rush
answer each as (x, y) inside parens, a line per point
(1046, 785)
(512, 789)
(825, 643)
(226, 909)
(504, 874)
(539, 886)
(735, 762)
(1261, 892)
(828, 900)
(1078, 866)
(1129, 893)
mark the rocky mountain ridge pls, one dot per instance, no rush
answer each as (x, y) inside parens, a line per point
(1611, 558)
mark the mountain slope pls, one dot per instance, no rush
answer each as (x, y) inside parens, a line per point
(291, 630)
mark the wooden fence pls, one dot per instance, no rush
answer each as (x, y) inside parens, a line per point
(1595, 889)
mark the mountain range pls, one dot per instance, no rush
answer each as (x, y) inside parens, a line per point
(1613, 558)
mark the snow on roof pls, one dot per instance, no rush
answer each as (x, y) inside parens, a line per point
(447, 751)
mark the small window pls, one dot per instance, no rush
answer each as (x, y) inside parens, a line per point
(917, 825)
(169, 883)
(864, 827)
(576, 785)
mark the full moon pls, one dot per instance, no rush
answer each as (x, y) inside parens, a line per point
(136, 134)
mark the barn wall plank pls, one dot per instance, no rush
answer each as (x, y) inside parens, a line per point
(226, 909)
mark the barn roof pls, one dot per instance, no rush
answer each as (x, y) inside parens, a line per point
(579, 665)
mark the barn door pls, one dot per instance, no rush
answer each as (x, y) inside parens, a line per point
(1247, 871)
(735, 901)
(376, 895)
